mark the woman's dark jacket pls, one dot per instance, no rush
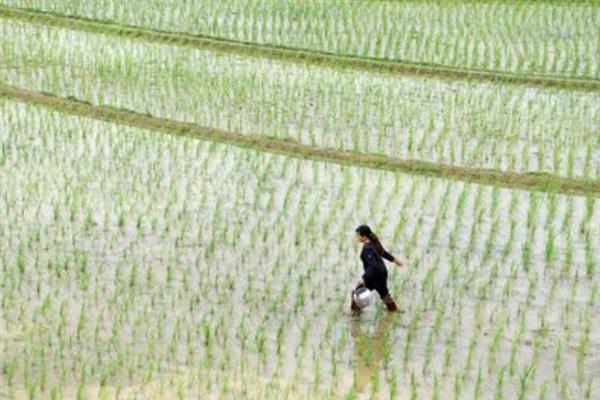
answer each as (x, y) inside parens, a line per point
(373, 262)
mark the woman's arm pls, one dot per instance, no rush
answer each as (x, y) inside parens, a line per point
(386, 254)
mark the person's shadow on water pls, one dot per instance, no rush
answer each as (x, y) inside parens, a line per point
(370, 349)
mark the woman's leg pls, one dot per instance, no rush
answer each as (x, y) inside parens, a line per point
(384, 293)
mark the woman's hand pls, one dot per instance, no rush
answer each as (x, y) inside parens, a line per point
(399, 263)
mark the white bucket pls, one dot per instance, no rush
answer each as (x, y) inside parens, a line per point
(363, 297)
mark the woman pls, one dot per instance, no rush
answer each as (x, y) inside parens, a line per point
(375, 276)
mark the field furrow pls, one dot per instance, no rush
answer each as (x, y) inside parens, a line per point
(538, 182)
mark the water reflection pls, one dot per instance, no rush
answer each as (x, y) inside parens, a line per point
(369, 348)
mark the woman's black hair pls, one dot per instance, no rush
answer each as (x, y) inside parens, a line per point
(365, 231)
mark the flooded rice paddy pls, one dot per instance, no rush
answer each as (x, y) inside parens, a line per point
(140, 265)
